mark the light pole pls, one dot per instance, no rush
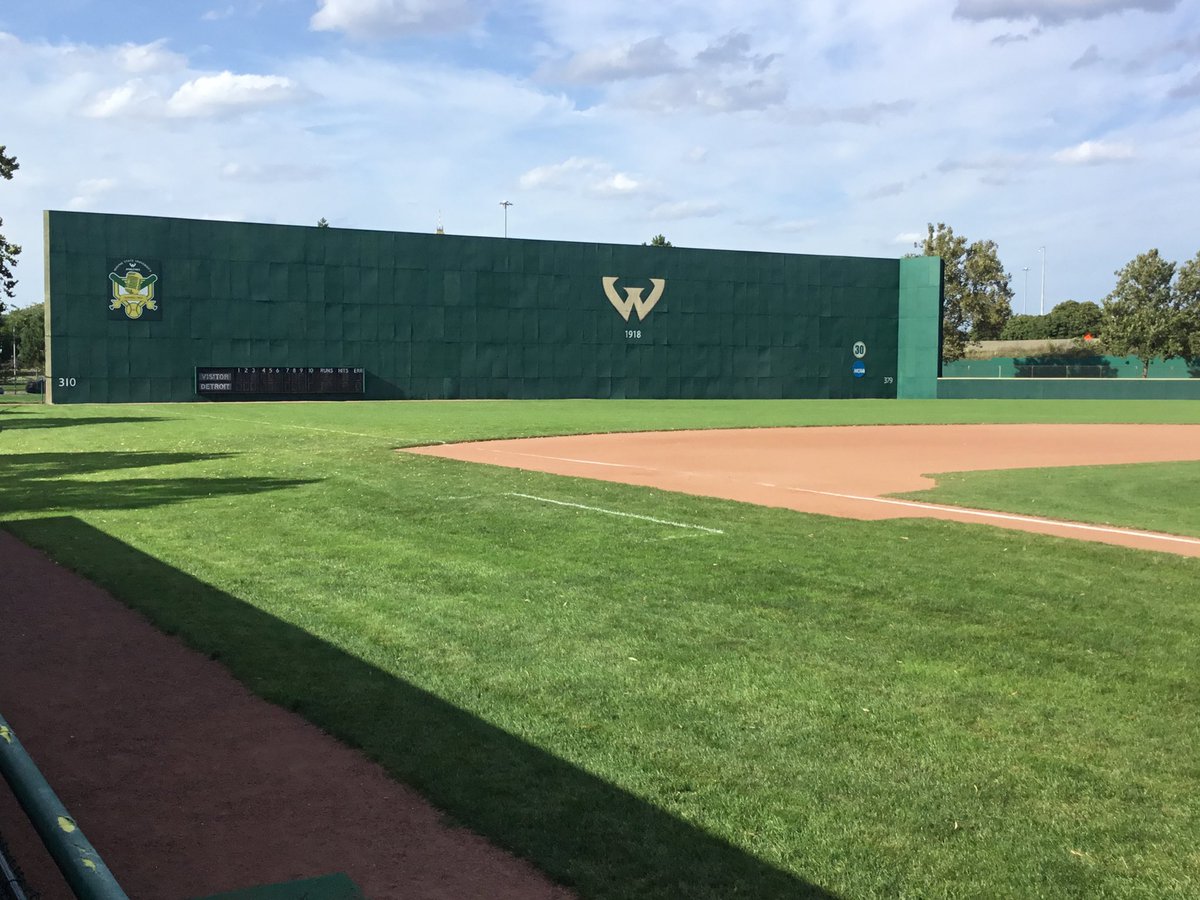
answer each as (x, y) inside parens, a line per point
(1042, 307)
(1025, 300)
(506, 204)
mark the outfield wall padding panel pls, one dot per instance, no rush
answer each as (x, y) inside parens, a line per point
(1067, 389)
(920, 320)
(135, 304)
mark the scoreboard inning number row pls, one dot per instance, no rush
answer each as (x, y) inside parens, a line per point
(216, 381)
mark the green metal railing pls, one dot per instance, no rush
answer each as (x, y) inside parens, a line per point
(80, 864)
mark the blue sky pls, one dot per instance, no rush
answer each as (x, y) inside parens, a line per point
(805, 127)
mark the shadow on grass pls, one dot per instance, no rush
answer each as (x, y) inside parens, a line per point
(36, 482)
(13, 421)
(579, 829)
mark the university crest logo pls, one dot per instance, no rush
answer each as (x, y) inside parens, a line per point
(633, 297)
(133, 285)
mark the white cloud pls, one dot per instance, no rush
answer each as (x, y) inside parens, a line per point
(686, 209)
(393, 18)
(1091, 153)
(695, 91)
(97, 185)
(779, 225)
(617, 183)
(138, 59)
(652, 56)
(90, 190)
(579, 173)
(558, 174)
(865, 114)
(1003, 40)
(1090, 57)
(1054, 12)
(1187, 89)
(733, 49)
(717, 76)
(218, 13)
(260, 173)
(891, 189)
(226, 92)
(132, 96)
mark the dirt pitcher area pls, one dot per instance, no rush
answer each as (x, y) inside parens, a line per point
(846, 471)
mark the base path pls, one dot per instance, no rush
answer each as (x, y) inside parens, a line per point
(846, 471)
(186, 783)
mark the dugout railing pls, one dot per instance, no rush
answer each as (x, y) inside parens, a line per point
(81, 866)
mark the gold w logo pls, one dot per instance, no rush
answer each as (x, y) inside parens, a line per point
(633, 297)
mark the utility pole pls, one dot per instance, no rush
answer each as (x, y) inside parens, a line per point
(506, 204)
(1025, 299)
(1042, 307)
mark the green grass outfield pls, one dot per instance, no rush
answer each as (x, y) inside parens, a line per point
(797, 706)
(1151, 496)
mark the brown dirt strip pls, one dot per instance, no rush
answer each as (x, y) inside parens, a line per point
(187, 783)
(845, 471)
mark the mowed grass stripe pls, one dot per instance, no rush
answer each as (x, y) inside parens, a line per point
(1149, 496)
(876, 709)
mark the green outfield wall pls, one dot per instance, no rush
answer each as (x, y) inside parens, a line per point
(136, 305)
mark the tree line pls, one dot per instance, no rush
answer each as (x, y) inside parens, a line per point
(8, 252)
(25, 331)
(1152, 312)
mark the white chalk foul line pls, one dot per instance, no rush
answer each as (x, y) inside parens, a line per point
(613, 512)
(586, 462)
(1008, 517)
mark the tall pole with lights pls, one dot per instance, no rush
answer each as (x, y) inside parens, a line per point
(506, 204)
(1042, 307)
(1025, 298)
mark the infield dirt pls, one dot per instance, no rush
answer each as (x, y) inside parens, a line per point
(848, 471)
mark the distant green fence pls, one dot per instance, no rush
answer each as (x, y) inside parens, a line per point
(1069, 367)
(1068, 389)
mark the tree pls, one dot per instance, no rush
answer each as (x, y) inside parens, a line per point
(322, 222)
(1072, 319)
(659, 240)
(8, 252)
(27, 328)
(1141, 315)
(978, 297)
(1187, 301)
(1026, 328)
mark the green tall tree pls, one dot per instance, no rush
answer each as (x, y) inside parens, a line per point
(322, 222)
(1073, 319)
(659, 240)
(8, 252)
(1142, 316)
(1187, 301)
(978, 293)
(26, 328)
(1026, 328)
